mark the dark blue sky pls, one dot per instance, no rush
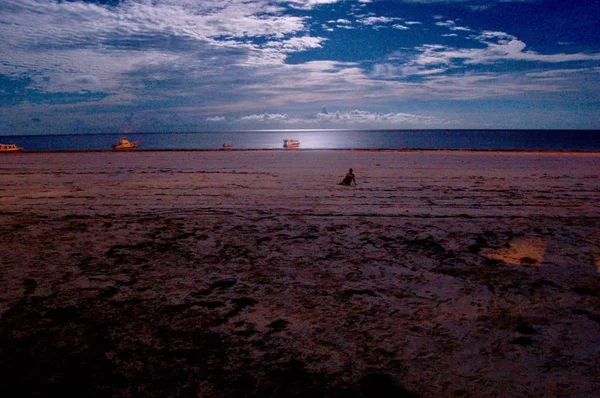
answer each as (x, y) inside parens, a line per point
(187, 65)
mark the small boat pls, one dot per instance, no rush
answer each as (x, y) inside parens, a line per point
(289, 143)
(124, 143)
(227, 145)
(9, 148)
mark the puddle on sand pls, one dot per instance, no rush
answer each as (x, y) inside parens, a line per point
(528, 252)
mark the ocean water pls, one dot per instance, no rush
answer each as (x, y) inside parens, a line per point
(567, 140)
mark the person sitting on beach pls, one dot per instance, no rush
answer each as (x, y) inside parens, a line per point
(349, 178)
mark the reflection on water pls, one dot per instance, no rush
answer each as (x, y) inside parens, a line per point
(524, 252)
(530, 252)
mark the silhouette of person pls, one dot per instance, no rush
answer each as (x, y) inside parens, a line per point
(349, 178)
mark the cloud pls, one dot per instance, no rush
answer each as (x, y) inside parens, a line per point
(308, 4)
(499, 47)
(267, 118)
(503, 46)
(352, 118)
(86, 81)
(360, 117)
(561, 73)
(474, 5)
(139, 46)
(216, 119)
(340, 23)
(296, 44)
(72, 24)
(486, 71)
(467, 2)
(452, 26)
(373, 21)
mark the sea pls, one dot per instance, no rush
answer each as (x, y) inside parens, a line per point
(542, 140)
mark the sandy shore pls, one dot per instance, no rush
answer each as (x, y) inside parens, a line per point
(252, 273)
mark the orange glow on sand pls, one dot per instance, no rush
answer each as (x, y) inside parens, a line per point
(525, 252)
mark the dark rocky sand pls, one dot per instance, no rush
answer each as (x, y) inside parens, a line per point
(241, 274)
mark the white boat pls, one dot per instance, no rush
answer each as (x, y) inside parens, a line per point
(9, 148)
(289, 143)
(124, 143)
(227, 145)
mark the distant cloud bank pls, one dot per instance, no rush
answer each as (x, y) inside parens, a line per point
(350, 118)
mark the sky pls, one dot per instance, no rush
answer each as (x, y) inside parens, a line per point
(104, 66)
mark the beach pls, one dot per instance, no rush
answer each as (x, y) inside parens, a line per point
(253, 273)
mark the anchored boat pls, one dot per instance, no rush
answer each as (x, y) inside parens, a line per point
(124, 143)
(289, 143)
(10, 148)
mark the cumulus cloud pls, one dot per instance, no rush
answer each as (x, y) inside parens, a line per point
(308, 4)
(500, 46)
(493, 49)
(354, 118)
(376, 21)
(340, 23)
(482, 71)
(452, 26)
(296, 44)
(267, 118)
(216, 119)
(359, 117)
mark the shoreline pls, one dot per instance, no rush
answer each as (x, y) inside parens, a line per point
(399, 150)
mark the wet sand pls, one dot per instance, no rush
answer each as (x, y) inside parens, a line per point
(252, 273)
